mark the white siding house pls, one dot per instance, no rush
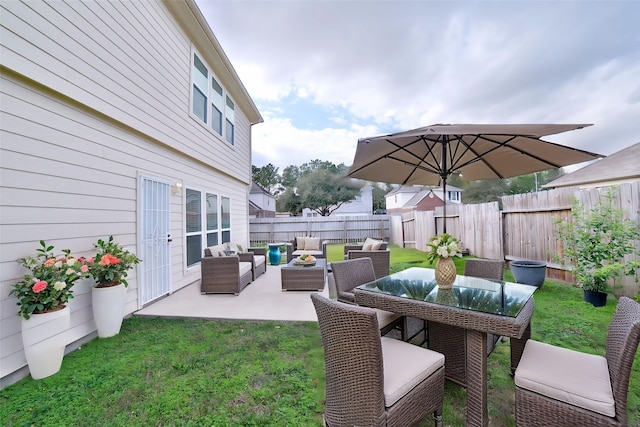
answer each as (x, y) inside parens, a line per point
(120, 118)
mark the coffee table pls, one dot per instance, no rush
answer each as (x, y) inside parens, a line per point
(304, 278)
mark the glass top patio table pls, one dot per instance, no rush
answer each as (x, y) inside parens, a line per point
(471, 293)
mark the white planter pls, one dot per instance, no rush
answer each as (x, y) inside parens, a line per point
(108, 309)
(44, 341)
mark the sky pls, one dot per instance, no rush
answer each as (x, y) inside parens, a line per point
(324, 74)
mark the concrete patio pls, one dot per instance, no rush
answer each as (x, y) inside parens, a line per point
(263, 299)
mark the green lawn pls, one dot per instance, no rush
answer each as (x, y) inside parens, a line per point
(189, 372)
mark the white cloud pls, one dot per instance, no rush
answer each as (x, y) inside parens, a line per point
(382, 66)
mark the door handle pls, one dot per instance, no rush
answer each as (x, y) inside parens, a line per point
(169, 239)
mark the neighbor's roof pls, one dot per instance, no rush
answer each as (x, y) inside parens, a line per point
(623, 165)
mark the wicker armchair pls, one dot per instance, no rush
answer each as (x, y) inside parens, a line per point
(381, 260)
(351, 273)
(259, 261)
(557, 386)
(225, 274)
(369, 382)
(449, 339)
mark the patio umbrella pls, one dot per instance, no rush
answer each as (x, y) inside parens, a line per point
(429, 155)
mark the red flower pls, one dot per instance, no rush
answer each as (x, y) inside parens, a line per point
(50, 262)
(39, 286)
(109, 259)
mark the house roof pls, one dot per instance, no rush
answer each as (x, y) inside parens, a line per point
(620, 166)
(257, 188)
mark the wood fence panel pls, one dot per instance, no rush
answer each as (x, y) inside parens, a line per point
(340, 229)
(481, 230)
(425, 228)
(395, 228)
(409, 229)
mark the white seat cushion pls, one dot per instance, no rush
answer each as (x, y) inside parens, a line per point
(400, 377)
(314, 253)
(244, 268)
(259, 259)
(576, 378)
(386, 317)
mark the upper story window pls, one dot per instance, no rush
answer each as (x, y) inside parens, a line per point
(453, 195)
(210, 102)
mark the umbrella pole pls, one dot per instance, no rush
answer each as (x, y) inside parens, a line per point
(445, 143)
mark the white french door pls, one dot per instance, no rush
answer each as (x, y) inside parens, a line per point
(155, 240)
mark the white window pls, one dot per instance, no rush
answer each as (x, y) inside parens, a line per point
(453, 195)
(208, 221)
(210, 103)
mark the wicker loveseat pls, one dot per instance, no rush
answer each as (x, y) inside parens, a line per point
(224, 272)
(306, 245)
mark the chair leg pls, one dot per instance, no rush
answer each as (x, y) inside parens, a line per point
(404, 334)
(437, 417)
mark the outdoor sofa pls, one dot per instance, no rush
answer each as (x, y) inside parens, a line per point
(306, 245)
(226, 269)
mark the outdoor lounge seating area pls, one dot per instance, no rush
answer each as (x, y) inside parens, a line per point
(226, 269)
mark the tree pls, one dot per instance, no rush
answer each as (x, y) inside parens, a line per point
(323, 191)
(290, 176)
(267, 177)
(289, 201)
(488, 190)
(379, 192)
(532, 182)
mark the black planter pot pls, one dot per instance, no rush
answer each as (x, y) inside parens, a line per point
(595, 298)
(529, 272)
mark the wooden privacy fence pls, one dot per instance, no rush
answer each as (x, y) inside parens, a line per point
(336, 229)
(524, 229)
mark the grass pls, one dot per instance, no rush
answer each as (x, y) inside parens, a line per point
(184, 372)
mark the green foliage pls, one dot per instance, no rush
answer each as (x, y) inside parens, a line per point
(289, 201)
(48, 286)
(488, 190)
(192, 372)
(378, 194)
(443, 246)
(596, 242)
(267, 177)
(325, 190)
(111, 264)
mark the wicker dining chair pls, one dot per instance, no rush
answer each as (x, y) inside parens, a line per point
(368, 379)
(449, 339)
(557, 386)
(351, 273)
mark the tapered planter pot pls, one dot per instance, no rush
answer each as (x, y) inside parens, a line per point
(108, 309)
(44, 341)
(529, 272)
(445, 273)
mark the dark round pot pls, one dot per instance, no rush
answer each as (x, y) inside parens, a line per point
(597, 299)
(529, 272)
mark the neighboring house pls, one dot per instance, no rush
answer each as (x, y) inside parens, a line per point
(618, 168)
(124, 119)
(262, 204)
(362, 205)
(408, 198)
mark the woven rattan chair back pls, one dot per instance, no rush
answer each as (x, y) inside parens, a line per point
(353, 363)
(484, 268)
(351, 273)
(622, 344)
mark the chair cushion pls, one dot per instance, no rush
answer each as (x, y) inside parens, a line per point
(244, 268)
(385, 317)
(312, 244)
(217, 250)
(401, 377)
(576, 378)
(371, 244)
(259, 259)
(301, 252)
(300, 243)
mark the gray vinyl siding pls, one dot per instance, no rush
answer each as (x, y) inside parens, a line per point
(128, 60)
(80, 123)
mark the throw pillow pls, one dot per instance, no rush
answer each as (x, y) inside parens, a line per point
(312, 244)
(300, 243)
(368, 244)
(376, 245)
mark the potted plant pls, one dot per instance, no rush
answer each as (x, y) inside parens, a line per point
(42, 297)
(441, 248)
(595, 244)
(109, 269)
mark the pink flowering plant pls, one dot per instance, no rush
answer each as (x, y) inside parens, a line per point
(443, 246)
(111, 264)
(49, 284)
